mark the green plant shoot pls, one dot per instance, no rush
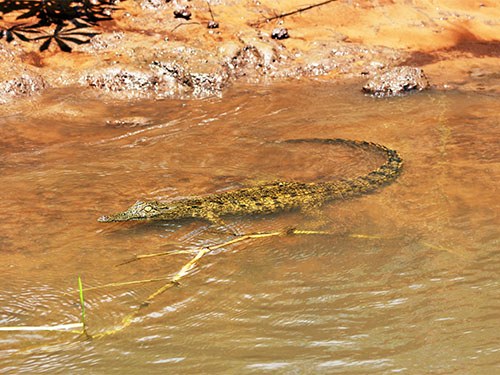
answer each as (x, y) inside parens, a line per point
(81, 300)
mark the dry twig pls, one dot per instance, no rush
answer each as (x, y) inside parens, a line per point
(282, 15)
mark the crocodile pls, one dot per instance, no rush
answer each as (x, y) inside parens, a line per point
(270, 197)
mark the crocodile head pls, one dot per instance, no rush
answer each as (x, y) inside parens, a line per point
(139, 211)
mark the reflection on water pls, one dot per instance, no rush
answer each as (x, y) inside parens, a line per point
(420, 295)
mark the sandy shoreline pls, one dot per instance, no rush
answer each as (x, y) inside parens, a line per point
(144, 50)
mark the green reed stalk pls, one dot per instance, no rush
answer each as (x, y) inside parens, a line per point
(81, 301)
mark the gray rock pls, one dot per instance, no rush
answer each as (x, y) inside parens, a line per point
(397, 81)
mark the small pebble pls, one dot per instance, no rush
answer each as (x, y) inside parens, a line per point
(280, 33)
(213, 25)
(182, 13)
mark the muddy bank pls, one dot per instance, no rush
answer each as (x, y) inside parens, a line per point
(153, 48)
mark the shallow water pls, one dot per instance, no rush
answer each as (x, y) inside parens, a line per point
(416, 293)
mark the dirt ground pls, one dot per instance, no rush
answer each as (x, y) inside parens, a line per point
(159, 48)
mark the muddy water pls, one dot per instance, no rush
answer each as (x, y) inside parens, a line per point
(417, 293)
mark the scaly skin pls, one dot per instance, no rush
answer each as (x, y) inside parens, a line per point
(269, 198)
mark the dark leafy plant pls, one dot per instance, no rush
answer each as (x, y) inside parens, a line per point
(16, 31)
(62, 36)
(68, 17)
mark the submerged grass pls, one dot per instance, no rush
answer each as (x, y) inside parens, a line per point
(70, 327)
(200, 252)
(81, 300)
(60, 327)
(174, 280)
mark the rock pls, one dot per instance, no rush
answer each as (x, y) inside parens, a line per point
(213, 25)
(121, 79)
(18, 81)
(397, 81)
(129, 122)
(280, 33)
(257, 56)
(200, 79)
(182, 13)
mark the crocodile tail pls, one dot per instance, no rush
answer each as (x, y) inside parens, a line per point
(386, 173)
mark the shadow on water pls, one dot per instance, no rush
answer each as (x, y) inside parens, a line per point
(62, 21)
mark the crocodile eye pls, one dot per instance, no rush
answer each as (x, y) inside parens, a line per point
(148, 208)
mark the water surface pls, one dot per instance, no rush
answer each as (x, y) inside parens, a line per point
(417, 294)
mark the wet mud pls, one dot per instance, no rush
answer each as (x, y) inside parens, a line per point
(152, 48)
